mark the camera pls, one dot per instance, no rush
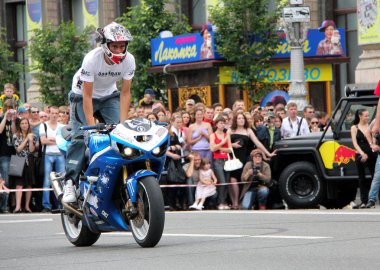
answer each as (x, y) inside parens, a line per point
(256, 170)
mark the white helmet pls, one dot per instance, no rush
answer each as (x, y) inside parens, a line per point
(114, 32)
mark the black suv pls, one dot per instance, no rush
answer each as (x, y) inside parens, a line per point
(319, 168)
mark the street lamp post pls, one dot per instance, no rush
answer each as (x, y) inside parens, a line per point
(297, 19)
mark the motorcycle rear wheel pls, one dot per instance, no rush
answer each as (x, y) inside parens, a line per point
(78, 234)
(148, 226)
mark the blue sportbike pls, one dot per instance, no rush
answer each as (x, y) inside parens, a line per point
(119, 189)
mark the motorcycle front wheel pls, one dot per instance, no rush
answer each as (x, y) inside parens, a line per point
(78, 234)
(148, 226)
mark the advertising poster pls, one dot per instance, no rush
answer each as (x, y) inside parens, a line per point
(90, 13)
(33, 15)
(183, 48)
(368, 21)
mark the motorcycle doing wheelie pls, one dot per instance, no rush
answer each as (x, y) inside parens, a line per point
(119, 188)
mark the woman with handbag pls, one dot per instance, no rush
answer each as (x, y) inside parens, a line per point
(241, 135)
(220, 145)
(25, 143)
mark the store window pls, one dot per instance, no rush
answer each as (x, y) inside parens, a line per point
(17, 38)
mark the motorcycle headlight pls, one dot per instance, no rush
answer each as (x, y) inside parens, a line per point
(160, 150)
(128, 151)
(131, 153)
(156, 151)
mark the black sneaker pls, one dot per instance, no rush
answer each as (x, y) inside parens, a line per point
(370, 204)
(46, 210)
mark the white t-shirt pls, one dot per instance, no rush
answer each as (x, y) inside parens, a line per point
(50, 149)
(104, 76)
(289, 128)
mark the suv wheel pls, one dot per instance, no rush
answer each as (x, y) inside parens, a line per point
(300, 185)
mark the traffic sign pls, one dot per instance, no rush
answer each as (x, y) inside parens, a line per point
(296, 14)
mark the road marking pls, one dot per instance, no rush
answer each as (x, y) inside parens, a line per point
(229, 235)
(26, 220)
(284, 212)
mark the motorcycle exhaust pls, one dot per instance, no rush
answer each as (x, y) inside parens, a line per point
(55, 181)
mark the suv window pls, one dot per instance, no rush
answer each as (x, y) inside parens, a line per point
(350, 116)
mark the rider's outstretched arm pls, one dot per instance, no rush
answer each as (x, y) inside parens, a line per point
(87, 103)
(125, 99)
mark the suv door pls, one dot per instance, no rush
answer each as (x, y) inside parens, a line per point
(336, 148)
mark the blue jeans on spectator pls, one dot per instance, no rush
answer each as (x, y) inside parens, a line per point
(4, 164)
(375, 185)
(223, 177)
(52, 163)
(108, 107)
(249, 198)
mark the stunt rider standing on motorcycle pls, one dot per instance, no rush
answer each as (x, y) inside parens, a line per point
(94, 91)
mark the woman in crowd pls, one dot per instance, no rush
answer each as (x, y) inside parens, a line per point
(25, 143)
(174, 153)
(152, 117)
(64, 115)
(199, 135)
(278, 122)
(220, 146)
(364, 157)
(314, 125)
(241, 134)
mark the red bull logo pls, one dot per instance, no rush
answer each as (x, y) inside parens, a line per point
(344, 154)
(332, 152)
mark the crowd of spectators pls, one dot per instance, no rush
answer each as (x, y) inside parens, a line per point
(201, 138)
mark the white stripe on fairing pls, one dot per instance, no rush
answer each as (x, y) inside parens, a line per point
(101, 152)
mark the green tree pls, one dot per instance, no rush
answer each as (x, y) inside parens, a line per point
(246, 35)
(57, 53)
(146, 21)
(9, 69)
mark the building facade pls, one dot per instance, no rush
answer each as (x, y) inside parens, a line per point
(359, 65)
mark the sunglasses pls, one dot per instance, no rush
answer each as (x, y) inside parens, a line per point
(68, 113)
(35, 111)
(313, 123)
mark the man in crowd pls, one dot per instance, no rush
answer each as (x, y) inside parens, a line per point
(308, 113)
(293, 125)
(189, 105)
(54, 160)
(209, 116)
(238, 106)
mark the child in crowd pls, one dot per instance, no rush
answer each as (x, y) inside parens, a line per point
(206, 185)
(9, 93)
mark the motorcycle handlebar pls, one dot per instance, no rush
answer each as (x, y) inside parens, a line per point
(99, 126)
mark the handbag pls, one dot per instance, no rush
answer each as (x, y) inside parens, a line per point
(175, 172)
(16, 166)
(233, 163)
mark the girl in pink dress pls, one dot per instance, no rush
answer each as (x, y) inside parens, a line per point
(206, 185)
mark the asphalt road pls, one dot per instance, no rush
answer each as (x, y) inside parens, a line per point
(318, 239)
